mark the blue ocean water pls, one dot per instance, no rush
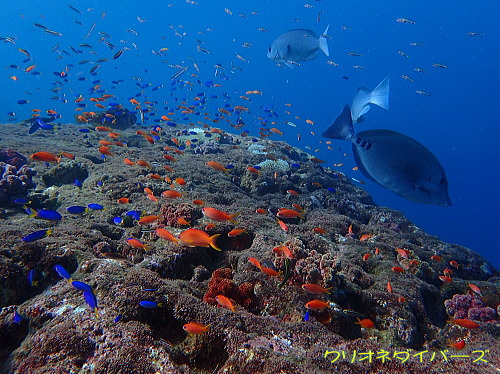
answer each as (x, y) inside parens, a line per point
(458, 122)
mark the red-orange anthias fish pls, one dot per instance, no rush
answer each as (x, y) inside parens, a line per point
(225, 302)
(217, 166)
(167, 235)
(198, 238)
(467, 323)
(289, 213)
(45, 156)
(366, 323)
(315, 289)
(254, 262)
(218, 215)
(195, 328)
(317, 305)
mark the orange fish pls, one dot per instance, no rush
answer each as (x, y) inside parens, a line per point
(225, 302)
(274, 130)
(123, 200)
(251, 169)
(447, 271)
(67, 155)
(467, 323)
(165, 234)
(105, 143)
(365, 237)
(102, 129)
(454, 264)
(398, 269)
(436, 258)
(366, 256)
(136, 243)
(366, 323)
(169, 158)
(152, 197)
(198, 202)
(315, 289)
(183, 222)
(317, 305)
(198, 238)
(270, 272)
(235, 232)
(105, 151)
(319, 230)
(45, 156)
(445, 278)
(292, 193)
(180, 181)
(389, 287)
(402, 299)
(146, 220)
(218, 215)
(30, 68)
(171, 194)
(403, 252)
(143, 163)
(289, 213)
(475, 289)
(458, 345)
(195, 328)
(283, 225)
(260, 211)
(216, 166)
(254, 262)
(210, 226)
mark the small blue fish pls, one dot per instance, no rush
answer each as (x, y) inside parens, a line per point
(16, 318)
(76, 209)
(78, 183)
(118, 318)
(117, 220)
(150, 304)
(21, 102)
(95, 206)
(33, 278)
(62, 272)
(22, 201)
(81, 286)
(84, 130)
(134, 214)
(34, 236)
(306, 316)
(49, 215)
(91, 300)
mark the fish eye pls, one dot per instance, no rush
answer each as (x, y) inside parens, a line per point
(269, 50)
(443, 181)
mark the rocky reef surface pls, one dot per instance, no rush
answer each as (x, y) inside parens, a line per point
(374, 263)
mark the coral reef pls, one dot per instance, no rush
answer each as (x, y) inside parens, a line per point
(373, 262)
(470, 307)
(222, 283)
(16, 178)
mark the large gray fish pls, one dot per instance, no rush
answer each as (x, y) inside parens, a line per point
(360, 103)
(297, 45)
(394, 161)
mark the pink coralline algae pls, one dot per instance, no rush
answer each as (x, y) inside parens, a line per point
(469, 307)
(15, 176)
(172, 212)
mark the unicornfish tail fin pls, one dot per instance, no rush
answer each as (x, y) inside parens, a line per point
(380, 94)
(323, 45)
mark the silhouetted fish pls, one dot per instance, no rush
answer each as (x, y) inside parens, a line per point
(394, 161)
(297, 45)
